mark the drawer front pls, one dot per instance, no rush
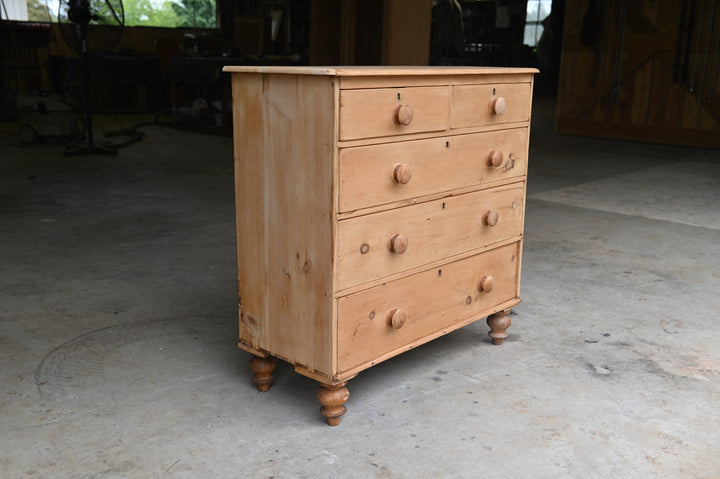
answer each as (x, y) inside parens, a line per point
(475, 105)
(380, 174)
(392, 111)
(381, 244)
(429, 302)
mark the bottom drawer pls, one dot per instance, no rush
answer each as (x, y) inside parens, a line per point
(384, 320)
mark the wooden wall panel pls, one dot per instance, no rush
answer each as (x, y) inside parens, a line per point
(652, 71)
(387, 32)
(406, 32)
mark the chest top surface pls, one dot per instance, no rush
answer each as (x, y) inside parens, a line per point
(377, 70)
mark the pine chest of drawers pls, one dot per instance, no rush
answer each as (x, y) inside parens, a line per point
(377, 208)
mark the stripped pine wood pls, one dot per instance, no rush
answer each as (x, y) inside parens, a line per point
(440, 164)
(280, 251)
(433, 230)
(371, 220)
(377, 112)
(248, 124)
(473, 104)
(449, 294)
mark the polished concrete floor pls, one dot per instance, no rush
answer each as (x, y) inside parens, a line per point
(118, 316)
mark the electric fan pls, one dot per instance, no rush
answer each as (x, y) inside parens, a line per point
(90, 27)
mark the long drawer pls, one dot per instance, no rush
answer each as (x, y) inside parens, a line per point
(381, 244)
(377, 321)
(390, 172)
(393, 111)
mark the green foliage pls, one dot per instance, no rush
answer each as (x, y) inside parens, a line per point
(182, 13)
(147, 13)
(196, 13)
(144, 13)
(39, 12)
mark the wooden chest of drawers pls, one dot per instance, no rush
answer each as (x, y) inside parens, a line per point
(377, 208)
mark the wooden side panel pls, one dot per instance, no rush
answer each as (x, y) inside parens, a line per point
(431, 300)
(285, 209)
(434, 230)
(436, 165)
(249, 205)
(298, 183)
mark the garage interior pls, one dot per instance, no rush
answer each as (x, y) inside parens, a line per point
(118, 319)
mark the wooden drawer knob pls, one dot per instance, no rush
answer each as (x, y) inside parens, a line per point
(398, 243)
(396, 318)
(404, 115)
(490, 218)
(402, 174)
(498, 106)
(495, 158)
(486, 284)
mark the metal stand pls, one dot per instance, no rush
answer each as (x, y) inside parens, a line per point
(81, 18)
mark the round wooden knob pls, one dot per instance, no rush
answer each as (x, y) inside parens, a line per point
(396, 318)
(398, 243)
(402, 174)
(490, 218)
(404, 115)
(498, 106)
(495, 158)
(486, 284)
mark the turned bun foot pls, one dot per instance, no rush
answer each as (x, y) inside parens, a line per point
(263, 369)
(333, 397)
(498, 323)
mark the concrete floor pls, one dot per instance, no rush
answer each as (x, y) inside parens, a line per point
(118, 317)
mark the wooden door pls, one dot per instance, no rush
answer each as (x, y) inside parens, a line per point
(644, 70)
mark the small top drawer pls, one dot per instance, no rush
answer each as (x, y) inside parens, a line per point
(379, 112)
(475, 105)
